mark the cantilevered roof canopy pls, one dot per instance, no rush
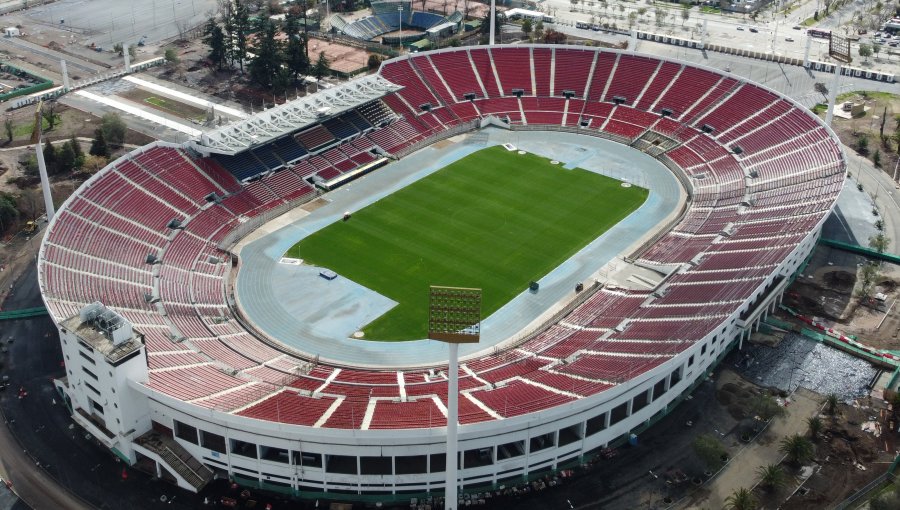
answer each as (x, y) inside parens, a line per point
(276, 122)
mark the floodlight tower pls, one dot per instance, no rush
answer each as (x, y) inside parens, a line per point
(36, 136)
(454, 317)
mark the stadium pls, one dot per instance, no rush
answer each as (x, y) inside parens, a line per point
(196, 343)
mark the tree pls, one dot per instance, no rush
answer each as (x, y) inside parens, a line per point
(766, 407)
(814, 423)
(876, 48)
(685, 15)
(771, 476)
(65, 158)
(320, 70)
(741, 499)
(883, 122)
(632, 18)
(641, 11)
(526, 27)
(9, 211)
(113, 128)
(214, 37)
(710, 450)
(171, 56)
(267, 61)
(554, 37)
(93, 163)
(48, 112)
(76, 149)
(374, 62)
(868, 276)
(50, 157)
(8, 125)
(879, 242)
(295, 58)
(799, 449)
(876, 158)
(660, 15)
(539, 30)
(865, 51)
(241, 26)
(862, 143)
(98, 145)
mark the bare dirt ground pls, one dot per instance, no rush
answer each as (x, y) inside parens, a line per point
(828, 292)
(343, 58)
(71, 122)
(870, 124)
(846, 459)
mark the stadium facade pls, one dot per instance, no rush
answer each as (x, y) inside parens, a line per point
(135, 270)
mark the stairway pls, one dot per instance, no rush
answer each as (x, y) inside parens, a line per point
(177, 459)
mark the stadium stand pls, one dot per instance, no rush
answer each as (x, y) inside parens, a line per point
(97, 246)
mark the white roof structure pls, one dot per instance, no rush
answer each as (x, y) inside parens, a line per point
(276, 122)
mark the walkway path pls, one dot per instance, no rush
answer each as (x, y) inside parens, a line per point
(741, 470)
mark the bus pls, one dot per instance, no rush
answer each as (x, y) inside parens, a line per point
(819, 32)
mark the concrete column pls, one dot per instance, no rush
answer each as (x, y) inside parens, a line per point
(832, 94)
(704, 37)
(632, 45)
(45, 180)
(127, 58)
(806, 52)
(65, 75)
(493, 29)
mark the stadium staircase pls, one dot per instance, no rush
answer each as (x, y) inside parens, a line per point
(176, 459)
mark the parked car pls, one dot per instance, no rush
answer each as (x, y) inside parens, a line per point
(754, 29)
(789, 39)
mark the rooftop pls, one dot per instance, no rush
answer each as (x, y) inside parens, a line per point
(105, 331)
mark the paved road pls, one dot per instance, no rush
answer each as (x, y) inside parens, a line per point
(725, 29)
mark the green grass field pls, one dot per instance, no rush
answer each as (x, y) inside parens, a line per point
(495, 220)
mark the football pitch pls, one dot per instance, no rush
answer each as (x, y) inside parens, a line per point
(495, 220)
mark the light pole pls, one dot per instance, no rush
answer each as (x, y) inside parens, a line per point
(454, 317)
(400, 12)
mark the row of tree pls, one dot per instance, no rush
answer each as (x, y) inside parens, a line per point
(280, 51)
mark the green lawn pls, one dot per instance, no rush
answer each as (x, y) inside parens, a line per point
(494, 220)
